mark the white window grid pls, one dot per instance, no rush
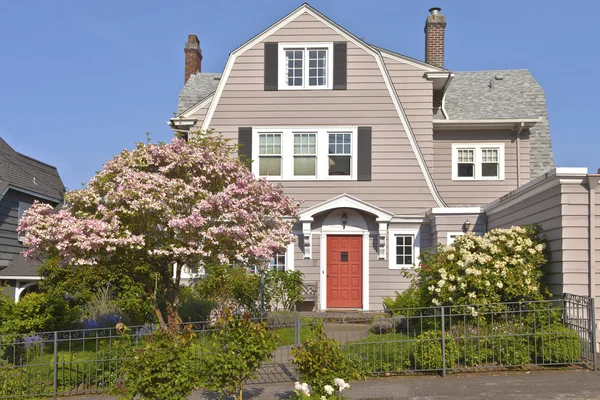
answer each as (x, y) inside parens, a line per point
(321, 151)
(399, 257)
(340, 144)
(277, 262)
(305, 66)
(305, 144)
(461, 153)
(294, 67)
(269, 146)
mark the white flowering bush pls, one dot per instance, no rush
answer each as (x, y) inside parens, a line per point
(330, 392)
(504, 265)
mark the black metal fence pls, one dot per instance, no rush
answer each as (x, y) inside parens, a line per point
(424, 340)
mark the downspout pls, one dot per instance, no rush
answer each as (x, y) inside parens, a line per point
(518, 143)
(444, 113)
(592, 184)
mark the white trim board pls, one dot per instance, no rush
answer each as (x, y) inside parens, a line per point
(195, 108)
(345, 201)
(377, 55)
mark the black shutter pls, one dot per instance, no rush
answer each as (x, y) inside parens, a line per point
(364, 153)
(245, 146)
(340, 69)
(271, 61)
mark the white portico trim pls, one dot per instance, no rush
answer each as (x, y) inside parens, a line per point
(344, 201)
(355, 225)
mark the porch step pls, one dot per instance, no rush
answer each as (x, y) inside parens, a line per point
(353, 316)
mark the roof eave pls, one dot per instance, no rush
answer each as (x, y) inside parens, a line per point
(486, 124)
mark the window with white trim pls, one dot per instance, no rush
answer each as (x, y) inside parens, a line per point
(269, 154)
(404, 249)
(305, 153)
(305, 65)
(478, 161)
(277, 263)
(22, 208)
(452, 237)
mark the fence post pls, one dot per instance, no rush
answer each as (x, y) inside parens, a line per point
(55, 374)
(443, 343)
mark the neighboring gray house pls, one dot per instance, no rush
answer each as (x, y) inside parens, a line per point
(22, 181)
(388, 154)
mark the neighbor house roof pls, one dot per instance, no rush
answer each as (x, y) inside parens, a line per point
(501, 94)
(197, 88)
(20, 266)
(19, 171)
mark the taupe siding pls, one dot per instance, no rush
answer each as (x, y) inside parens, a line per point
(544, 209)
(397, 182)
(441, 225)
(416, 95)
(199, 116)
(479, 193)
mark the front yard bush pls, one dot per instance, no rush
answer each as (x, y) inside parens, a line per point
(558, 344)
(428, 351)
(39, 312)
(320, 360)
(234, 354)
(504, 265)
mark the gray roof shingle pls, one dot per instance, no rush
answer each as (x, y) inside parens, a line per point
(21, 171)
(197, 88)
(21, 266)
(503, 94)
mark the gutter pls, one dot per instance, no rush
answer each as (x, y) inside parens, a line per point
(473, 124)
(518, 143)
(445, 90)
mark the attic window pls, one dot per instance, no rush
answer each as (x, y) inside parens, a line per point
(305, 65)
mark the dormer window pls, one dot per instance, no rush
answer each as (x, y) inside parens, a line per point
(477, 161)
(305, 65)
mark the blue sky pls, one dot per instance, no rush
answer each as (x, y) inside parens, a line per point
(82, 80)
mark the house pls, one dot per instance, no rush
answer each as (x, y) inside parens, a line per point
(389, 154)
(22, 181)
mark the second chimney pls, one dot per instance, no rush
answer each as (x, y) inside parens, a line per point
(193, 57)
(435, 27)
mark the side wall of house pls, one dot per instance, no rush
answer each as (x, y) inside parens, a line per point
(478, 192)
(10, 246)
(544, 209)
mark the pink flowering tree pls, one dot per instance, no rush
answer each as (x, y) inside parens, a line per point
(153, 210)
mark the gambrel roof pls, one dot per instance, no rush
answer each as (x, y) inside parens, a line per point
(20, 172)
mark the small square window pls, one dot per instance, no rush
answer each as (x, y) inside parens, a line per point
(404, 250)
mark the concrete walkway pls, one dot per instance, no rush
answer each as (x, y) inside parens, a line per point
(551, 385)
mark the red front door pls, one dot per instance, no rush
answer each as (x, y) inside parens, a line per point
(344, 271)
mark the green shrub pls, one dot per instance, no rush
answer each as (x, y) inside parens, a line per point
(193, 308)
(234, 354)
(558, 344)
(499, 344)
(428, 351)
(406, 303)
(160, 367)
(39, 312)
(22, 382)
(384, 353)
(283, 289)
(320, 360)
(230, 288)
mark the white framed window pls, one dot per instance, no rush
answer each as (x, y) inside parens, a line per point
(478, 161)
(404, 247)
(322, 153)
(269, 154)
(305, 66)
(22, 208)
(305, 154)
(452, 237)
(280, 261)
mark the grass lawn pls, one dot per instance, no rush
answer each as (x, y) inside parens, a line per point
(382, 353)
(286, 335)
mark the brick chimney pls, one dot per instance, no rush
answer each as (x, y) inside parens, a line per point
(193, 57)
(434, 37)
